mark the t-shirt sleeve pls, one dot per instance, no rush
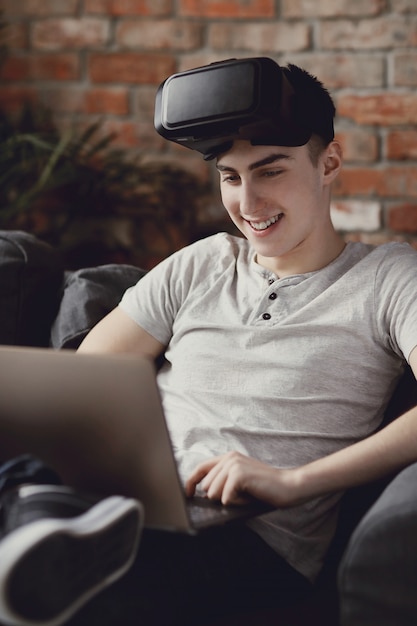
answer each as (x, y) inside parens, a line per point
(396, 300)
(153, 303)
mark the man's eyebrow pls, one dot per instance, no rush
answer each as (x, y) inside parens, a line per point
(272, 158)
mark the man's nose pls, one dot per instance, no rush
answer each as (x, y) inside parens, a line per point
(250, 200)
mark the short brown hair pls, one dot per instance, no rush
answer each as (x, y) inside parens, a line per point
(315, 146)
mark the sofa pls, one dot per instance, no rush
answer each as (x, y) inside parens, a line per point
(370, 575)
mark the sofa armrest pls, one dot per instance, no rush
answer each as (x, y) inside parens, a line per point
(378, 573)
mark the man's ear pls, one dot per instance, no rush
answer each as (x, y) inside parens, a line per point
(332, 161)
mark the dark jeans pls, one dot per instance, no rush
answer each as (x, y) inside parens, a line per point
(184, 580)
(181, 580)
(26, 469)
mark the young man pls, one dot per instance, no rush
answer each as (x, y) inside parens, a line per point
(282, 347)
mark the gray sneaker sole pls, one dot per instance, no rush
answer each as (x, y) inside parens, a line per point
(51, 567)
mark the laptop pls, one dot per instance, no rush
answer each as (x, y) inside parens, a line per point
(98, 421)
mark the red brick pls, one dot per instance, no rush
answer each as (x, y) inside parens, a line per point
(404, 6)
(359, 145)
(148, 138)
(39, 7)
(197, 59)
(41, 67)
(383, 109)
(227, 8)
(15, 69)
(357, 181)
(13, 98)
(63, 99)
(159, 34)
(383, 32)
(399, 181)
(330, 8)
(403, 217)
(129, 7)
(405, 69)
(389, 181)
(126, 132)
(401, 144)
(114, 101)
(144, 103)
(337, 71)
(55, 34)
(130, 68)
(259, 37)
(130, 134)
(16, 35)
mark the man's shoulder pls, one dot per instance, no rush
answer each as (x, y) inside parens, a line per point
(216, 247)
(382, 252)
(222, 240)
(391, 265)
(209, 256)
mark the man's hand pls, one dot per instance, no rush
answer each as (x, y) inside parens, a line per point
(236, 479)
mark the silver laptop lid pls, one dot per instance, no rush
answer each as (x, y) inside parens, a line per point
(97, 420)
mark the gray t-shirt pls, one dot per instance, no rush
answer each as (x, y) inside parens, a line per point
(283, 370)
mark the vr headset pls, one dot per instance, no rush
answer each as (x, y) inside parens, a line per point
(207, 108)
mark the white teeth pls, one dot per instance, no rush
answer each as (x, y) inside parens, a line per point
(265, 225)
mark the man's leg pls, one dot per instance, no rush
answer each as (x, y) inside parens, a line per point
(58, 548)
(181, 580)
(175, 580)
(26, 469)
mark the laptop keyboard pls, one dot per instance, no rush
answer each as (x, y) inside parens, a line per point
(204, 512)
(201, 513)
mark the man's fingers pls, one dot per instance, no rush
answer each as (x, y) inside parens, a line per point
(214, 475)
(198, 475)
(213, 483)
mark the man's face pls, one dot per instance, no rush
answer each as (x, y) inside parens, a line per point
(277, 198)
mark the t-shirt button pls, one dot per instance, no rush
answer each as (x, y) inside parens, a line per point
(271, 281)
(266, 316)
(273, 296)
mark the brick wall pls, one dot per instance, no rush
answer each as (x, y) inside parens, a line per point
(94, 58)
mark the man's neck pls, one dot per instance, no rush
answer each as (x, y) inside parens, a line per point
(301, 263)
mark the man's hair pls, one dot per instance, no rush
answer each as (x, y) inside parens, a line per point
(315, 147)
(314, 107)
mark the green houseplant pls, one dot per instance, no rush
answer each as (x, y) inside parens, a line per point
(75, 190)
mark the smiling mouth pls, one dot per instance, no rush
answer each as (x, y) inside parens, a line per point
(269, 222)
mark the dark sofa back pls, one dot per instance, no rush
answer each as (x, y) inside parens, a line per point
(31, 274)
(41, 305)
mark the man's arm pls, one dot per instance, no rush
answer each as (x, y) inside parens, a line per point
(232, 477)
(117, 333)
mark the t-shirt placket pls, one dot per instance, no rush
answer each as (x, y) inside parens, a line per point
(274, 305)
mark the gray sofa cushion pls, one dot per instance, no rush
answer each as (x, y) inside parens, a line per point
(88, 295)
(378, 573)
(31, 275)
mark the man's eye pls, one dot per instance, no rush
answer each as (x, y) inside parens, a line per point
(231, 178)
(272, 173)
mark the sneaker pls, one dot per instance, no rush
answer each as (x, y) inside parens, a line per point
(59, 548)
